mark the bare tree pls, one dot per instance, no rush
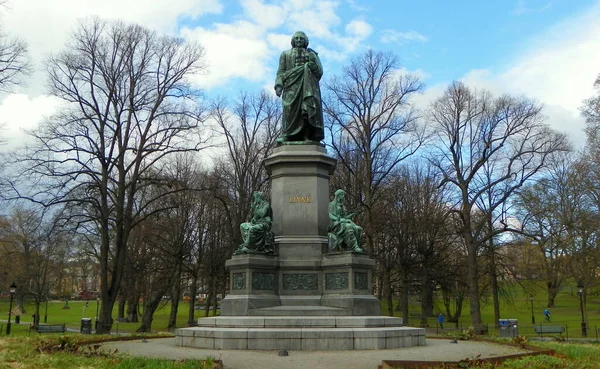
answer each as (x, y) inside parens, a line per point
(14, 60)
(548, 210)
(590, 110)
(128, 105)
(418, 236)
(36, 251)
(250, 128)
(474, 130)
(367, 110)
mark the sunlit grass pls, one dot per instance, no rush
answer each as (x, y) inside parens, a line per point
(516, 304)
(57, 314)
(22, 353)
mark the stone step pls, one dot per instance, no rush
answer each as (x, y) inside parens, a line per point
(235, 338)
(299, 311)
(300, 321)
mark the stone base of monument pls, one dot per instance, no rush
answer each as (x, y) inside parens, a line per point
(300, 333)
(306, 296)
(330, 284)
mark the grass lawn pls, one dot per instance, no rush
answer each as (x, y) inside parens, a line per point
(43, 352)
(60, 352)
(517, 305)
(77, 310)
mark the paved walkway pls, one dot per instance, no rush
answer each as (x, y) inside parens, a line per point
(435, 350)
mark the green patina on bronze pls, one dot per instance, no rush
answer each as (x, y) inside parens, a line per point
(336, 281)
(263, 281)
(297, 82)
(256, 234)
(300, 282)
(344, 233)
(361, 281)
(239, 281)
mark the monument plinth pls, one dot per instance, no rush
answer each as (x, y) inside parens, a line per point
(303, 277)
(300, 280)
(304, 296)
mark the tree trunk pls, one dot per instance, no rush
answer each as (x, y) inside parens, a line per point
(132, 311)
(390, 299)
(399, 306)
(36, 321)
(473, 276)
(121, 309)
(404, 299)
(211, 293)
(106, 321)
(426, 295)
(172, 324)
(148, 315)
(495, 287)
(215, 294)
(191, 321)
(553, 287)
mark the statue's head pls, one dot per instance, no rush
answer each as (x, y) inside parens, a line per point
(299, 39)
(258, 195)
(339, 194)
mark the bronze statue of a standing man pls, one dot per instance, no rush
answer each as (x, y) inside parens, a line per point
(297, 79)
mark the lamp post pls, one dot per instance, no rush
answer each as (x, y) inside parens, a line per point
(532, 316)
(12, 290)
(583, 324)
(46, 311)
(97, 306)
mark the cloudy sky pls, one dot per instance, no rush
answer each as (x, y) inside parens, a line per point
(548, 50)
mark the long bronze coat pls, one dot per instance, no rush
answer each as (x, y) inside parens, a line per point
(299, 73)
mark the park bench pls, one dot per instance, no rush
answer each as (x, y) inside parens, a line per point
(414, 315)
(542, 329)
(49, 328)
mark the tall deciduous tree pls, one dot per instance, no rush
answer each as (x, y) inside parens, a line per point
(249, 125)
(14, 60)
(128, 105)
(368, 111)
(36, 251)
(473, 131)
(590, 110)
(548, 210)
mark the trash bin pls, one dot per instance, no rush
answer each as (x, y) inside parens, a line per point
(86, 326)
(508, 328)
(17, 319)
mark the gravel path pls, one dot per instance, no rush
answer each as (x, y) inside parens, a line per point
(435, 350)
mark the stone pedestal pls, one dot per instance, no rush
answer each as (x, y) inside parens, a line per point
(302, 278)
(300, 333)
(303, 297)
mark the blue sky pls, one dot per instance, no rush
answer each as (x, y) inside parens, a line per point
(545, 49)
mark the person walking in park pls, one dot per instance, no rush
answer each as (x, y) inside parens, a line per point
(441, 320)
(547, 314)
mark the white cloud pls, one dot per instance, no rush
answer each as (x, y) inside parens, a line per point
(359, 28)
(557, 68)
(245, 47)
(316, 18)
(19, 112)
(46, 25)
(232, 51)
(392, 36)
(267, 16)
